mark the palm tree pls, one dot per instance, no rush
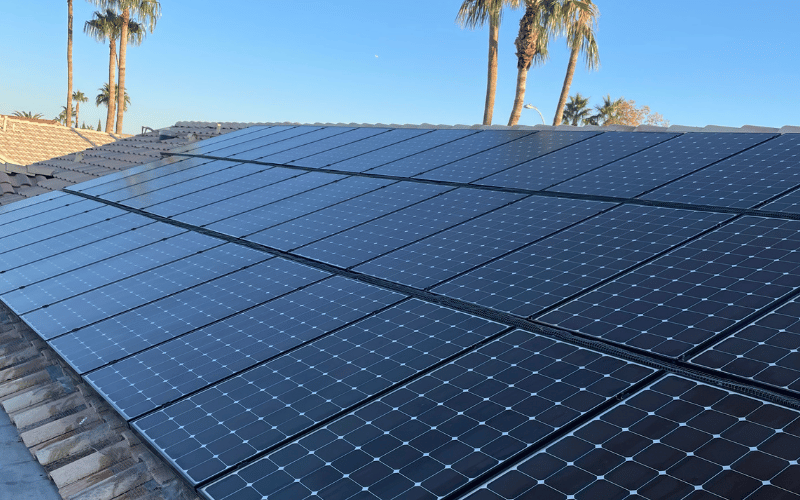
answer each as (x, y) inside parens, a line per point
(475, 13)
(577, 110)
(147, 12)
(78, 97)
(102, 98)
(62, 117)
(27, 114)
(580, 38)
(607, 114)
(108, 26)
(543, 19)
(69, 64)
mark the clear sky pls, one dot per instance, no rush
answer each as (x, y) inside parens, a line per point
(707, 62)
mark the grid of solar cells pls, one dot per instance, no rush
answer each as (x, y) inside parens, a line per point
(345, 215)
(458, 249)
(555, 268)
(13, 261)
(677, 439)
(694, 292)
(429, 437)
(196, 307)
(561, 165)
(402, 150)
(47, 292)
(70, 260)
(245, 147)
(26, 207)
(323, 145)
(15, 223)
(507, 155)
(285, 209)
(637, 174)
(789, 202)
(743, 181)
(138, 289)
(392, 231)
(765, 350)
(364, 146)
(172, 370)
(230, 138)
(291, 393)
(286, 144)
(449, 152)
(244, 193)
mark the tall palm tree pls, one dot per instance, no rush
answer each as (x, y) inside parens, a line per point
(475, 13)
(103, 99)
(580, 38)
(27, 114)
(108, 26)
(78, 97)
(69, 63)
(543, 19)
(577, 110)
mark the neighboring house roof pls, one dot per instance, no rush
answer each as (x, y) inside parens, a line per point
(343, 309)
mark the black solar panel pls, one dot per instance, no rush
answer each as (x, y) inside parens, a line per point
(362, 147)
(660, 164)
(694, 292)
(677, 439)
(347, 138)
(246, 148)
(302, 137)
(540, 275)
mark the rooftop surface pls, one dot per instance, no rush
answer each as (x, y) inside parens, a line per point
(392, 312)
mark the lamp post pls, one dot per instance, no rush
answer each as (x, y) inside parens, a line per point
(531, 106)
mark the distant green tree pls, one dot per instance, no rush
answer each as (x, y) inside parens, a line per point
(577, 110)
(27, 114)
(62, 117)
(78, 97)
(99, 125)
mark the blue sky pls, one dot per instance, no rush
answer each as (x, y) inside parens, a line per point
(696, 62)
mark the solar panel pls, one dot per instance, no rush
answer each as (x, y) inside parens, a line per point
(429, 437)
(166, 318)
(410, 166)
(456, 250)
(34, 205)
(364, 146)
(387, 233)
(660, 164)
(743, 181)
(766, 350)
(247, 147)
(505, 156)
(577, 159)
(698, 290)
(352, 136)
(551, 270)
(677, 439)
(230, 138)
(289, 143)
(789, 203)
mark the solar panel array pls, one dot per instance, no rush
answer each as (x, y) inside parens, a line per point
(366, 312)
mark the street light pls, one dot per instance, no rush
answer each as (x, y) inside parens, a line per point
(531, 106)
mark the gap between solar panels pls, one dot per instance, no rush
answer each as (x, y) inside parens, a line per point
(677, 366)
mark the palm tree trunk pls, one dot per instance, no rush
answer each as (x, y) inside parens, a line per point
(491, 81)
(77, 114)
(123, 49)
(112, 69)
(562, 99)
(519, 96)
(69, 63)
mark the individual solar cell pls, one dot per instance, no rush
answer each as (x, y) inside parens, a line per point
(364, 146)
(555, 268)
(742, 181)
(428, 438)
(694, 292)
(289, 143)
(47, 292)
(665, 162)
(290, 208)
(512, 153)
(172, 370)
(392, 231)
(460, 248)
(402, 150)
(449, 152)
(324, 145)
(259, 142)
(195, 307)
(676, 439)
(558, 166)
(133, 238)
(136, 290)
(275, 401)
(345, 215)
(765, 350)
